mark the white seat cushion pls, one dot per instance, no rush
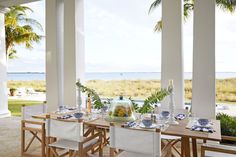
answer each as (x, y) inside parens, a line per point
(219, 146)
(167, 137)
(72, 145)
(132, 154)
(216, 154)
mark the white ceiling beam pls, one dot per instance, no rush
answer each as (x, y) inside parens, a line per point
(8, 3)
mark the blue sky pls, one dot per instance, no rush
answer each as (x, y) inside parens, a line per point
(120, 37)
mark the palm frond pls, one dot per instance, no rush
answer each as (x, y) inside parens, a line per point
(154, 5)
(19, 8)
(32, 22)
(158, 26)
(226, 5)
(19, 29)
(188, 8)
(12, 54)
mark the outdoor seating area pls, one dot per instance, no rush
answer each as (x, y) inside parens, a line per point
(82, 133)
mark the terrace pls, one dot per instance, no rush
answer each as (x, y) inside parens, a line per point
(65, 65)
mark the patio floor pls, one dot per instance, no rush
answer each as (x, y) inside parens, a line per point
(10, 139)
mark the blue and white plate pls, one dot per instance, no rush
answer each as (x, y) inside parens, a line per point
(153, 126)
(180, 116)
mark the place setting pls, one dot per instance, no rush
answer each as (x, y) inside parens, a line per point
(201, 125)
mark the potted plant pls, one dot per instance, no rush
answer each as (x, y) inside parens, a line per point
(12, 91)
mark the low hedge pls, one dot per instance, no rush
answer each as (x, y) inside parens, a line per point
(228, 126)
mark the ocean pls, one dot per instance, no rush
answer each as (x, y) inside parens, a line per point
(29, 76)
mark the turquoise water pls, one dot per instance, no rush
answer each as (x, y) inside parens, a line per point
(111, 76)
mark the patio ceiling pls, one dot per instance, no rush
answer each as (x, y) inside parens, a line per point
(8, 3)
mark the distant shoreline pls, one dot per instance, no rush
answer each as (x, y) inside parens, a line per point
(30, 76)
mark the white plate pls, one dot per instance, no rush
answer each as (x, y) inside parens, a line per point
(153, 126)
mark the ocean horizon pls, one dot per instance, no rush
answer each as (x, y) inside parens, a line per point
(29, 76)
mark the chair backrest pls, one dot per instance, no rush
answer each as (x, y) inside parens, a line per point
(29, 111)
(62, 129)
(137, 141)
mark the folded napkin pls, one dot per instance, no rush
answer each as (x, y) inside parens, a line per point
(65, 116)
(180, 116)
(129, 124)
(202, 128)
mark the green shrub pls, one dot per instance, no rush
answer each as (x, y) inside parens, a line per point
(228, 124)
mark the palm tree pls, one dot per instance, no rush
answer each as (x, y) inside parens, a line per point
(19, 29)
(227, 5)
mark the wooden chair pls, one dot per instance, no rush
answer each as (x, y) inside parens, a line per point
(69, 137)
(218, 150)
(166, 139)
(136, 143)
(33, 126)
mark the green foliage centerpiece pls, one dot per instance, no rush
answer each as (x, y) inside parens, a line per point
(149, 102)
(154, 98)
(96, 101)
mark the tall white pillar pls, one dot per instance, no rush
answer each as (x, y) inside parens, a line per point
(4, 112)
(203, 100)
(54, 53)
(60, 51)
(74, 60)
(172, 55)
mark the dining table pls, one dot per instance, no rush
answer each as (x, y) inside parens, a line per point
(181, 130)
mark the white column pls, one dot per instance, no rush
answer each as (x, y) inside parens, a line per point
(172, 55)
(4, 112)
(74, 60)
(54, 52)
(60, 50)
(203, 100)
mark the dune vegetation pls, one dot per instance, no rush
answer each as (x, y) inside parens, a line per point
(38, 86)
(138, 89)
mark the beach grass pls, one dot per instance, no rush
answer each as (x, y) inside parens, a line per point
(15, 105)
(37, 85)
(139, 89)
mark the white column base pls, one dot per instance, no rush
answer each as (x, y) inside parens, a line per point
(4, 114)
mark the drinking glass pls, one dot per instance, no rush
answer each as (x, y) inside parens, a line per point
(104, 110)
